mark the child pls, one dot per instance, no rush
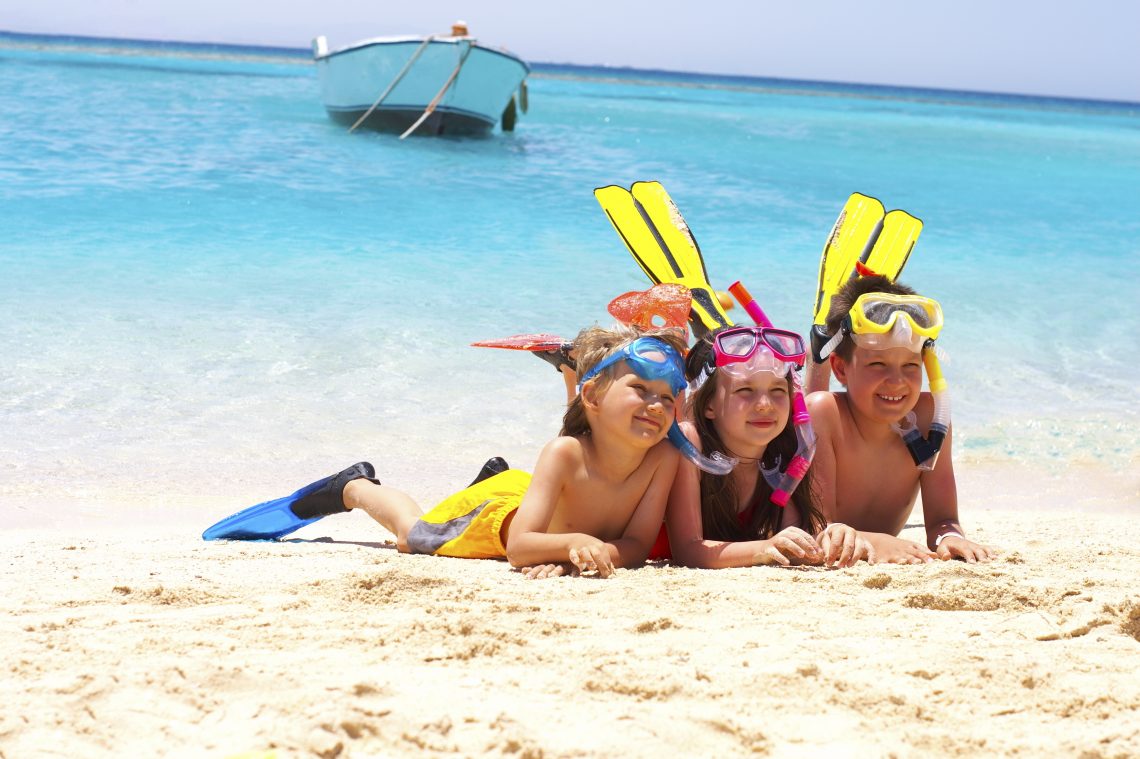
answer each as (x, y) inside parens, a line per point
(598, 493)
(742, 384)
(881, 334)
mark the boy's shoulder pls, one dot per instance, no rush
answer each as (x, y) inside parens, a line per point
(823, 406)
(564, 448)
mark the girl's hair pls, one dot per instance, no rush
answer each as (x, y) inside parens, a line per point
(845, 298)
(594, 344)
(718, 492)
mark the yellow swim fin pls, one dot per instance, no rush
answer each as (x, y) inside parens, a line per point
(896, 241)
(852, 238)
(656, 235)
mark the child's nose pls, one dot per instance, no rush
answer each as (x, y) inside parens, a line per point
(896, 374)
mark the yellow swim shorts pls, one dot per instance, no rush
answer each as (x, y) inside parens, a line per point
(467, 525)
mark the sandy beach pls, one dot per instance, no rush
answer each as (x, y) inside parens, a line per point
(152, 642)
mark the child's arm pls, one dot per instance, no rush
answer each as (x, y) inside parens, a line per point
(825, 422)
(644, 524)
(817, 377)
(686, 531)
(528, 543)
(872, 546)
(944, 535)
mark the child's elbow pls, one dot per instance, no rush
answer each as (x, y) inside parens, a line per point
(514, 556)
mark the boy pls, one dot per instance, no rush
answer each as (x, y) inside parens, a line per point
(597, 498)
(868, 476)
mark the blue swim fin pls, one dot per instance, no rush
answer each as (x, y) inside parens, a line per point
(277, 518)
(265, 521)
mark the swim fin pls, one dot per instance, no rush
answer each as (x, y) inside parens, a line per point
(656, 235)
(279, 517)
(863, 233)
(493, 466)
(893, 247)
(852, 238)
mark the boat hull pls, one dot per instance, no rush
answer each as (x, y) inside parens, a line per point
(354, 77)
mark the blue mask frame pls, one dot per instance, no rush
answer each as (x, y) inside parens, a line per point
(636, 355)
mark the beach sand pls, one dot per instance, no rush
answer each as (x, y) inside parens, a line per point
(147, 642)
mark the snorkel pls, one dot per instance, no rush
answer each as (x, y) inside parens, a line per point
(924, 450)
(653, 359)
(784, 483)
(880, 320)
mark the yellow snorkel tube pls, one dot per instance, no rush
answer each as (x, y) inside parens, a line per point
(924, 450)
(881, 320)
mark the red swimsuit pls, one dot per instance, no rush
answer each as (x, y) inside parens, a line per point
(661, 549)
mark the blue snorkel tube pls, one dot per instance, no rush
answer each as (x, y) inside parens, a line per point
(715, 464)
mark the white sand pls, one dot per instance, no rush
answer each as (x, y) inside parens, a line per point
(157, 644)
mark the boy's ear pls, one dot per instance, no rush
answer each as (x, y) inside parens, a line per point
(838, 368)
(590, 395)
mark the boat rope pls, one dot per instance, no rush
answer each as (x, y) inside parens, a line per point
(407, 67)
(439, 95)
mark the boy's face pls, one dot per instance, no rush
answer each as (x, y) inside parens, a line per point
(882, 384)
(636, 408)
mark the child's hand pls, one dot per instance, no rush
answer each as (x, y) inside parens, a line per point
(543, 571)
(790, 545)
(954, 547)
(592, 556)
(891, 550)
(842, 546)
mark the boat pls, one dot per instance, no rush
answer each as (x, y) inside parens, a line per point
(423, 85)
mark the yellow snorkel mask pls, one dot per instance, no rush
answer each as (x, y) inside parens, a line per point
(878, 321)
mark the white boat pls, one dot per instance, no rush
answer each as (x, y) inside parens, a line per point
(446, 84)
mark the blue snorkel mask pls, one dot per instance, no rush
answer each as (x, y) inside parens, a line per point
(653, 359)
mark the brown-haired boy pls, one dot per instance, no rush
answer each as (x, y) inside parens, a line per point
(867, 476)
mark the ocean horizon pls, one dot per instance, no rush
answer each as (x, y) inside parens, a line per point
(823, 88)
(212, 293)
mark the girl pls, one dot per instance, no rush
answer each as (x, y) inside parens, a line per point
(595, 502)
(741, 391)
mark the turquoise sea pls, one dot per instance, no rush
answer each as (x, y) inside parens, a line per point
(211, 293)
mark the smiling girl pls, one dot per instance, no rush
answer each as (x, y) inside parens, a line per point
(740, 405)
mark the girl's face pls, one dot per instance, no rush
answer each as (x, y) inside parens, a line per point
(751, 412)
(636, 408)
(881, 384)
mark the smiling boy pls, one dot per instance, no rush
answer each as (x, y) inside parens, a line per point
(868, 476)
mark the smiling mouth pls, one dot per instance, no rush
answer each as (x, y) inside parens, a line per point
(891, 398)
(652, 422)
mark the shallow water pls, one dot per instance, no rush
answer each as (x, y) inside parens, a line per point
(205, 283)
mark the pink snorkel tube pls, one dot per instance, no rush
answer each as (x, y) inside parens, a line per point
(784, 483)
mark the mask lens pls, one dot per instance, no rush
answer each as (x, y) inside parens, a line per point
(650, 362)
(879, 312)
(785, 343)
(883, 312)
(739, 344)
(761, 361)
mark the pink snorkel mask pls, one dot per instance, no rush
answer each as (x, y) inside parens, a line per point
(784, 352)
(743, 351)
